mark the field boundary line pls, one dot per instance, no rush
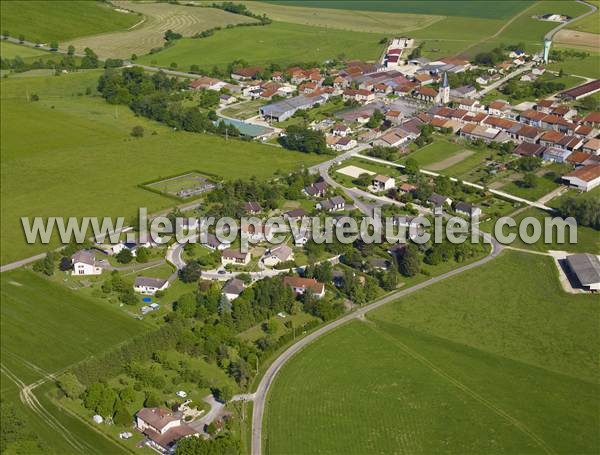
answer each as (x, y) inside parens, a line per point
(500, 30)
(466, 389)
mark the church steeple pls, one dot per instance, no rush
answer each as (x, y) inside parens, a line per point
(445, 89)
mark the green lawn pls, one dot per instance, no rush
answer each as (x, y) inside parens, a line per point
(594, 194)
(464, 167)
(587, 67)
(279, 42)
(72, 155)
(588, 239)
(544, 186)
(437, 151)
(44, 21)
(468, 366)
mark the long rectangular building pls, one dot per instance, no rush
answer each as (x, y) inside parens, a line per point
(284, 109)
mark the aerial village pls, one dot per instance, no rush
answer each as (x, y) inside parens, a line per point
(373, 119)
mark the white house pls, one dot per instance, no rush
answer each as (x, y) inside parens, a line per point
(344, 143)
(301, 285)
(256, 233)
(163, 428)
(383, 183)
(585, 178)
(467, 209)
(149, 286)
(281, 253)
(233, 288)
(235, 257)
(341, 130)
(213, 243)
(85, 263)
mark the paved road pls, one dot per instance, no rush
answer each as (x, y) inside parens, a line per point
(488, 88)
(262, 390)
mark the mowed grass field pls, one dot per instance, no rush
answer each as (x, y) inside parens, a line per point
(345, 19)
(53, 327)
(45, 328)
(158, 18)
(468, 366)
(72, 155)
(500, 10)
(279, 42)
(44, 21)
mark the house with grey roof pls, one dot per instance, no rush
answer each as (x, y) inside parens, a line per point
(233, 288)
(85, 263)
(274, 256)
(464, 208)
(586, 268)
(149, 286)
(284, 109)
(334, 204)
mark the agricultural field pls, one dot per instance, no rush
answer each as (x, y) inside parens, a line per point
(583, 40)
(158, 18)
(36, 343)
(32, 333)
(41, 173)
(10, 51)
(530, 30)
(43, 21)
(274, 43)
(467, 8)
(588, 24)
(345, 19)
(466, 366)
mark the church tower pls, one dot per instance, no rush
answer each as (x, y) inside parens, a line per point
(445, 89)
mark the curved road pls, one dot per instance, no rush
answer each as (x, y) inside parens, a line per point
(262, 390)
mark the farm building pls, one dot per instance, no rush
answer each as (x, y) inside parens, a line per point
(284, 109)
(581, 91)
(586, 267)
(246, 73)
(585, 178)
